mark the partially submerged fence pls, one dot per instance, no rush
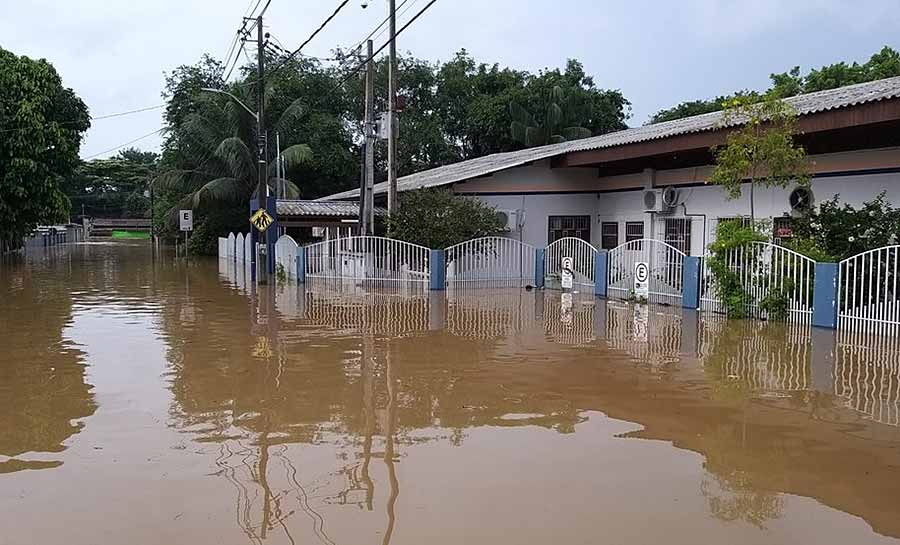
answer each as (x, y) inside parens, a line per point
(869, 300)
(236, 248)
(582, 255)
(375, 261)
(769, 276)
(286, 257)
(491, 262)
(664, 262)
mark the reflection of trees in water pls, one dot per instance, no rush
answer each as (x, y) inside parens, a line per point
(43, 392)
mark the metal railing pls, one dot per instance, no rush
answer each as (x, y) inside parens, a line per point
(375, 261)
(582, 254)
(868, 295)
(764, 269)
(491, 262)
(664, 261)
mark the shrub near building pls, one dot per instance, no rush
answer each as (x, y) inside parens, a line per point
(437, 219)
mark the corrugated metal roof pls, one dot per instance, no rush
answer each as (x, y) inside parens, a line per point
(348, 209)
(811, 103)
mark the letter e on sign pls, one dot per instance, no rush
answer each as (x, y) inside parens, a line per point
(642, 279)
(186, 220)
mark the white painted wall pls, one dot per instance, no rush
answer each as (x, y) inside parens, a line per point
(622, 206)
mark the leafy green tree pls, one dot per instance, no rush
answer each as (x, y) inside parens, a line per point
(554, 123)
(761, 151)
(112, 188)
(884, 64)
(841, 230)
(437, 218)
(43, 124)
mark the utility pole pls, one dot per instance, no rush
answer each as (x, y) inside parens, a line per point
(367, 199)
(392, 109)
(262, 188)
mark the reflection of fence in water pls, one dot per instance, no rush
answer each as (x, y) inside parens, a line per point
(376, 312)
(867, 376)
(486, 314)
(646, 333)
(764, 356)
(569, 319)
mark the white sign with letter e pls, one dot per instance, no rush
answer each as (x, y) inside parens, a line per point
(641, 279)
(566, 274)
(186, 220)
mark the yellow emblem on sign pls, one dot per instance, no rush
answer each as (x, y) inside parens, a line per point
(261, 220)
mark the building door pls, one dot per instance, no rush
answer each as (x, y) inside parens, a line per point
(568, 226)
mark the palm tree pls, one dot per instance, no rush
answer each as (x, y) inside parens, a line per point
(221, 139)
(562, 113)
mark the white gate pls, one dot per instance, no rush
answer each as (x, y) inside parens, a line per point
(286, 256)
(582, 254)
(231, 240)
(868, 297)
(666, 265)
(239, 248)
(763, 269)
(223, 248)
(490, 262)
(378, 261)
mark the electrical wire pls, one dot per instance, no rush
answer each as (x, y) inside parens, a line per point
(98, 118)
(376, 29)
(399, 15)
(311, 36)
(120, 146)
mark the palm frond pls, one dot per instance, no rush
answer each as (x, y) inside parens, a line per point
(520, 115)
(220, 190)
(290, 118)
(296, 155)
(575, 133)
(291, 191)
(237, 156)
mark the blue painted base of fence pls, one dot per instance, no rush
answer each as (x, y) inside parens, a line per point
(825, 294)
(601, 273)
(437, 270)
(539, 267)
(690, 295)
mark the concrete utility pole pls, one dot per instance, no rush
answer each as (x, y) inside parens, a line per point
(392, 109)
(368, 199)
(262, 188)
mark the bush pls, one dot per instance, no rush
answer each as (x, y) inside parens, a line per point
(840, 231)
(437, 218)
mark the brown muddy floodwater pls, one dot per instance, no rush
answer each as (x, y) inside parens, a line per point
(155, 402)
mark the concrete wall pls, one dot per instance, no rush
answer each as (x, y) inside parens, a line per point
(542, 192)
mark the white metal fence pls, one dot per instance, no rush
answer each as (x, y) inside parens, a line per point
(763, 270)
(868, 296)
(666, 265)
(286, 256)
(374, 261)
(490, 262)
(582, 254)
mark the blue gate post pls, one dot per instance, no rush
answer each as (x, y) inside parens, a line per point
(690, 295)
(301, 265)
(539, 267)
(437, 270)
(254, 238)
(271, 232)
(601, 272)
(825, 294)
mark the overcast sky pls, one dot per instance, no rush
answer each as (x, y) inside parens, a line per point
(115, 54)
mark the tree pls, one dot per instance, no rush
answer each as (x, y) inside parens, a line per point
(841, 230)
(43, 124)
(884, 64)
(761, 151)
(555, 121)
(437, 218)
(113, 188)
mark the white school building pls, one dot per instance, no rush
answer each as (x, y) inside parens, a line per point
(651, 181)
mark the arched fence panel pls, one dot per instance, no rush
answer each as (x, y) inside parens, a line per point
(231, 240)
(286, 257)
(239, 246)
(375, 261)
(582, 255)
(490, 262)
(248, 249)
(223, 248)
(770, 276)
(664, 261)
(868, 292)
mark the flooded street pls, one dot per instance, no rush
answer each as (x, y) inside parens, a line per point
(149, 401)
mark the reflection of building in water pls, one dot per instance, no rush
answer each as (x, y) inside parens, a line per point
(867, 375)
(650, 334)
(488, 314)
(764, 356)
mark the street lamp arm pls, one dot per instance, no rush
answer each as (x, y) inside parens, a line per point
(236, 99)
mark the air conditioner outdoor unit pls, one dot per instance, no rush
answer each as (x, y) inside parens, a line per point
(660, 200)
(512, 218)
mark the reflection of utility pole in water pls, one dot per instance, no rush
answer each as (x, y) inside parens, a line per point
(368, 373)
(389, 447)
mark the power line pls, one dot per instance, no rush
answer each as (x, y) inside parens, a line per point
(376, 29)
(98, 118)
(120, 146)
(311, 36)
(401, 14)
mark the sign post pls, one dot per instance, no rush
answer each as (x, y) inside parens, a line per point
(186, 225)
(642, 281)
(566, 274)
